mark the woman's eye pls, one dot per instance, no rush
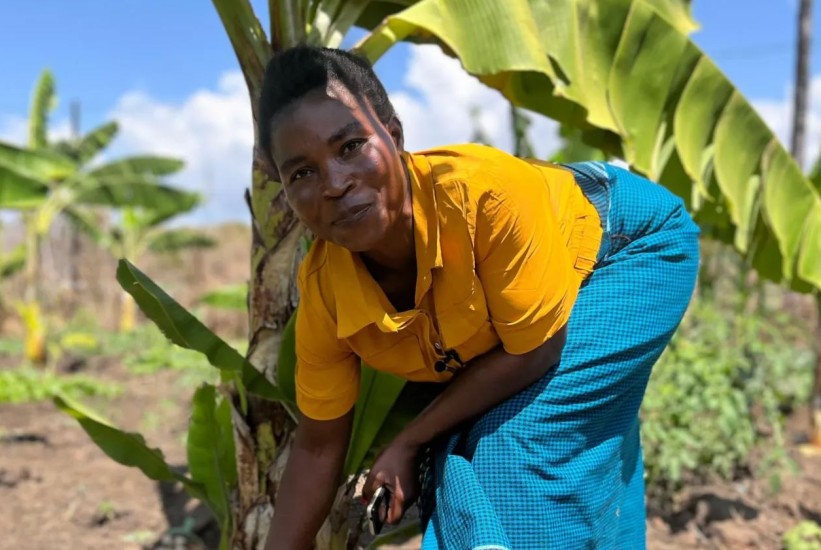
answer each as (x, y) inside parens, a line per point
(352, 146)
(301, 173)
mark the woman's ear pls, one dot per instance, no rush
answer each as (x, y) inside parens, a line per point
(397, 133)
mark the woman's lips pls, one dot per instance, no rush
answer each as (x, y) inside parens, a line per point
(352, 215)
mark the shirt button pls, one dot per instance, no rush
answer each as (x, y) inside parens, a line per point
(438, 347)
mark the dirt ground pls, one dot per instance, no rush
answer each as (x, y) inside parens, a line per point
(57, 490)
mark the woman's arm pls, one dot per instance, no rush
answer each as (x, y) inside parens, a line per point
(485, 382)
(309, 482)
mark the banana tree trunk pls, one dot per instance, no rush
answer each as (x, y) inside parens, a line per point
(128, 312)
(263, 433)
(35, 342)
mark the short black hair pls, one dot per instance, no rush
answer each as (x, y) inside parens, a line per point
(296, 71)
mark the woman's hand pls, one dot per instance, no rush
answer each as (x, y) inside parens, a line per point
(397, 469)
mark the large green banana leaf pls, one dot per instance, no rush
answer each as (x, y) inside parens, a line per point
(378, 391)
(186, 331)
(18, 191)
(129, 449)
(139, 166)
(41, 165)
(42, 103)
(95, 141)
(210, 449)
(626, 73)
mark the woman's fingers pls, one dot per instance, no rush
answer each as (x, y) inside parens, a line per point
(397, 505)
(372, 482)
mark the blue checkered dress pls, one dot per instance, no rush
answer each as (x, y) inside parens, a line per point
(559, 465)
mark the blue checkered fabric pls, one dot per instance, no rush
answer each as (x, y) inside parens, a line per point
(559, 465)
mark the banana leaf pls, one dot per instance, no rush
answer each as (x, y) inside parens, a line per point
(138, 166)
(18, 191)
(42, 165)
(126, 448)
(186, 331)
(248, 39)
(210, 448)
(378, 392)
(95, 141)
(626, 73)
(42, 103)
(129, 191)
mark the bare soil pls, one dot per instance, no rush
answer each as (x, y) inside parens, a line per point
(58, 490)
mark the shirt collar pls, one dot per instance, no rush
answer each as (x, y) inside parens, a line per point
(359, 300)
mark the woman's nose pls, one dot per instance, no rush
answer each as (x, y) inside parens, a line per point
(338, 183)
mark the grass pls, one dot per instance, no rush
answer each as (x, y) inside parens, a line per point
(27, 384)
(143, 352)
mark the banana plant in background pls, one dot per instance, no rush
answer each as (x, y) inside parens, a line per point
(45, 180)
(623, 74)
(139, 230)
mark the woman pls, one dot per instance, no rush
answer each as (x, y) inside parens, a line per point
(539, 296)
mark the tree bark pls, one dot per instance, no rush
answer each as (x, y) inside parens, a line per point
(801, 81)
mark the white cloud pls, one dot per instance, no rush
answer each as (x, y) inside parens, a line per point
(13, 129)
(211, 131)
(435, 102)
(778, 116)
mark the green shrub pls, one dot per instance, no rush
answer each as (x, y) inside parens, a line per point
(804, 536)
(11, 346)
(26, 384)
(719, 390)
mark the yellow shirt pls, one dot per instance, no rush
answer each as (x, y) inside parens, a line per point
(502, 246)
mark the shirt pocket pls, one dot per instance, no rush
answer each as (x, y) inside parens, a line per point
(460, 322)
(397, 353)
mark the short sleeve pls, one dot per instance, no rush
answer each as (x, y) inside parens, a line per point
(327, 372)
(523, 263)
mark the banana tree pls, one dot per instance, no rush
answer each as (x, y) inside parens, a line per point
(622, 73)
(46, 180)
(139, 230)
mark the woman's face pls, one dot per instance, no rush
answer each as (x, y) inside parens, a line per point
(341, 168)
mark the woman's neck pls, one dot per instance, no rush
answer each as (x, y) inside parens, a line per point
(397, 252)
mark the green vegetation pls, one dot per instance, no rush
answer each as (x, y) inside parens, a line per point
(804, 536)
(145, 351)
(721, 389)
(27, 384)
(48, 179)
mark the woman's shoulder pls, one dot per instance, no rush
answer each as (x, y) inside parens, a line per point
(485, 173)
(470, 162)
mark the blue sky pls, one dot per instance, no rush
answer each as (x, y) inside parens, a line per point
(172, 60)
